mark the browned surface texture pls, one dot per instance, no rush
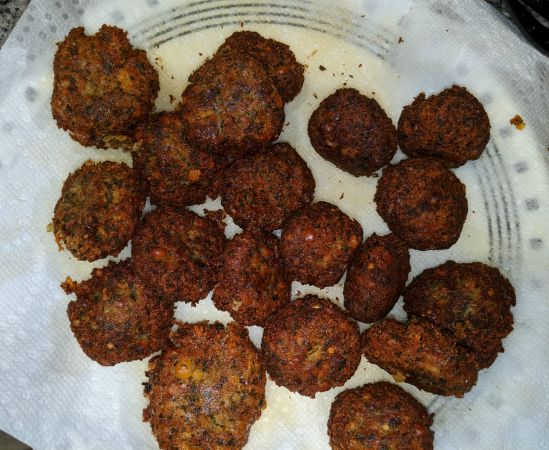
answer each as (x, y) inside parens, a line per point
(376, 277)
(422, 202)
(264, 189)
(176, 172)
(471, 301)
(379, 416)
(318, 242)
(115, 317)
(252, 282)
(353, 132)
(418, 353)
(99, 208)
(231, 106)
(206, 389)
(310, 346)
(178, 252)
(451, 125)
(278, 59)
(102, 87)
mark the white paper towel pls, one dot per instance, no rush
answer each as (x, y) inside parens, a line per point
(54, 397)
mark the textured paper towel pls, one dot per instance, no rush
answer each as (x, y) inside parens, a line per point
(53, 397)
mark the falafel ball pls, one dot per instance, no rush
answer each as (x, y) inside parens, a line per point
(262, 190)
(278, 59)
(102, 87)
(318, 242)
(376, 277)
(231, 106)
(353, 132)
(471, 301)
(379, 416)
(252, 282)
(310, 345)
(115, 317)
(178, 252)
(99, 208)
(422, 202)
(206, 389)
(451, 125)
(177, 173)
(420, 354)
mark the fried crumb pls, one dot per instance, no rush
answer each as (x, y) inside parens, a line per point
(518, 122)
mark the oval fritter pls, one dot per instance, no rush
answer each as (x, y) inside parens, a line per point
(318, 242)
(451, 125)
(310, 346)
(353, 132)
(379, 416)
(252, 282)
(115, 317)
(262, 190)
(99, 208)
(206, 389)
(472, 301)
(422, 202)
(102, 87)
(178, 252)
(376, 277)
(418, 353)
(231, 106)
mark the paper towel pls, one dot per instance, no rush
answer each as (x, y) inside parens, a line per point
(54, 397)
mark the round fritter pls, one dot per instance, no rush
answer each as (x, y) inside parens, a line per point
(252, 282)
(278, 59)
(177, 173)
(178, 252)
(376, 277)
(99, 208)
(206, 389)
(231, 106)
(379, 416)
(115, 317)
(264, 189)
(451, 125)
(310, 346)
(471, 301)
(418, 353)
(422, 202)
(102, 87)
(318, 242)
(353, 132)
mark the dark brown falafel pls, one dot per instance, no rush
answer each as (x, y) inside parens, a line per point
(353, 132)
(206, 389)
(310, 346)
(177, 173)
(231, 106)
(471, 301)
(451, 125)
(278, 59)
(418, 353)
(318, 242)
(102, 87)
(376, 277)
(115, 317)
(262, 190)
(422, 202)
(252, 282)
(379, 416)
(99, 208)
(178, 252)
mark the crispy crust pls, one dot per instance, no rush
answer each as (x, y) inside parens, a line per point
(102, 87)
(206, 389)
(310, 346)
(99, 208)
